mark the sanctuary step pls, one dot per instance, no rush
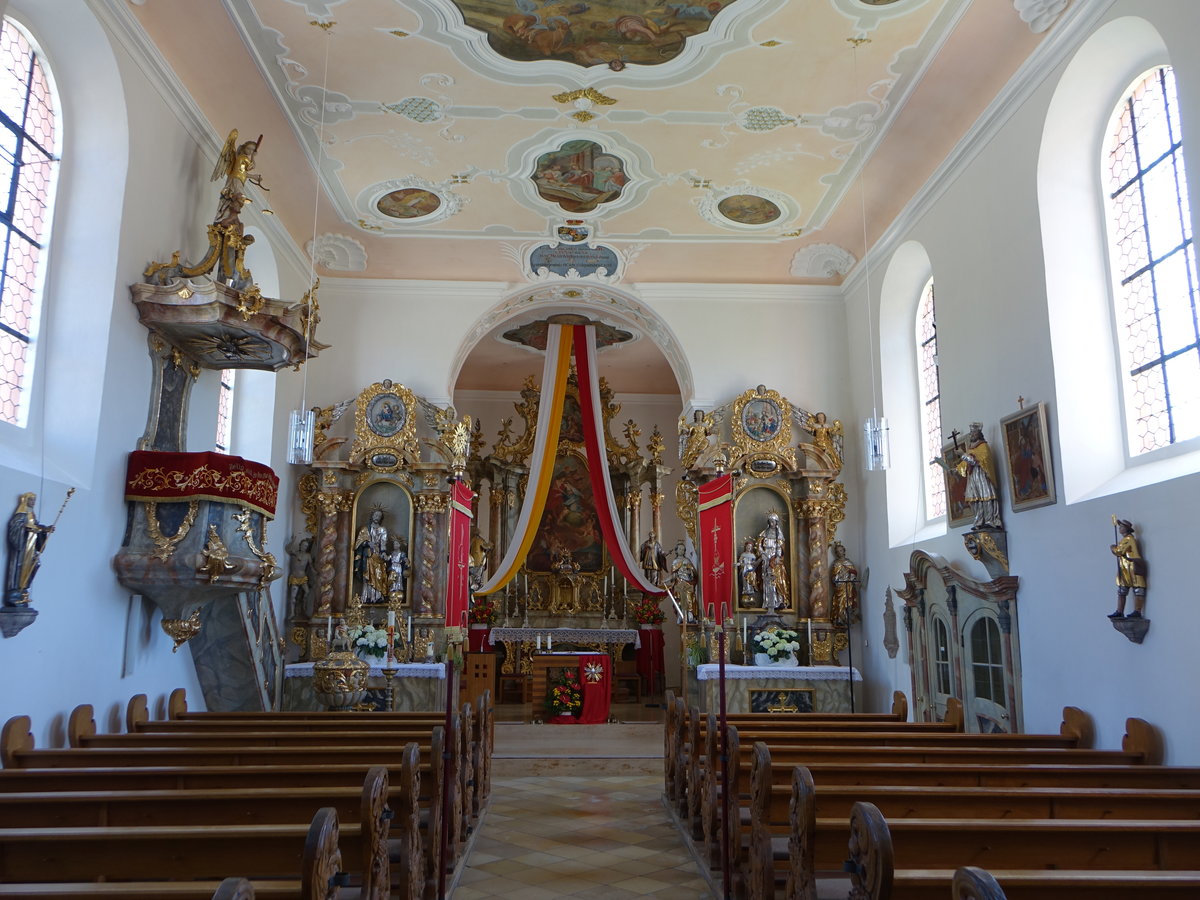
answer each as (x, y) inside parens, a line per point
(601, 750)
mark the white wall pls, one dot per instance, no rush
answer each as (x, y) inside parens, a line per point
(983, 237)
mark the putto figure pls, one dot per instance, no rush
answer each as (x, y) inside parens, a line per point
(1131, 570)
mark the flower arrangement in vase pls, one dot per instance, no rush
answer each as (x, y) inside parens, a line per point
(775, 647)
(565, 696)
(646, 611)
(369, 642)
(482, 612)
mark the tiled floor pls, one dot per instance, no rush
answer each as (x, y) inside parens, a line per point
(579, 836)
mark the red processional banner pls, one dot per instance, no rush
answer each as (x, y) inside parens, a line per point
(458, 588)
(158, 476)
(716, 546)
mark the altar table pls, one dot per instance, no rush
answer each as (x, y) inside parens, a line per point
(777, 689)
(520, 644)
(416, 687)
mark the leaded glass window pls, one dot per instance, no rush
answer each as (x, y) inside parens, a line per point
(28, 166)
(931, 403)
(1154, 266)
(987, 663)
(225, 411)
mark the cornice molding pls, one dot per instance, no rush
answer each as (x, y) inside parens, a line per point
(1079, 20)
(123, 25)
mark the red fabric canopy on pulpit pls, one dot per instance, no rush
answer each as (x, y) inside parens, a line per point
(595, 679)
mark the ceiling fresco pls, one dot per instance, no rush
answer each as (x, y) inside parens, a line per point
(616, 34)
(711, 141)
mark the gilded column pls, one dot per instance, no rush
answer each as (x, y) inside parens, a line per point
(496, 500)
(431, 509)
(815, 513)
(333, 527)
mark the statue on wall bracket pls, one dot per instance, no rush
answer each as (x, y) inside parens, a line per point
(972, 462)
(1132, 572)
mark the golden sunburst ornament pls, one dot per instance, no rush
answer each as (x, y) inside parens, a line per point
(593, 672)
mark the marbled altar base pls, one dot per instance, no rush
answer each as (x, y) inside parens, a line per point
(417, 687)
(758, 688)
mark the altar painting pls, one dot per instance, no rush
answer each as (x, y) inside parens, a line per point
(579, 176)
(613, 33)
(569, 521)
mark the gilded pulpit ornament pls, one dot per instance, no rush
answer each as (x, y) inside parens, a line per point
(182, 630)
(215, 555)
(1132, 572)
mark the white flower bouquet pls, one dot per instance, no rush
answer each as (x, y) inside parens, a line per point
(369, 641)
(776, 643)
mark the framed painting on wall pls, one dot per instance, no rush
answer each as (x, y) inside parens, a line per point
(958, 510)
(1027, 450)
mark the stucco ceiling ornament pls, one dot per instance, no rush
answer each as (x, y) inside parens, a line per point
(318, 9)
(338, 253)
(868, 15)
(1039, 15)
(822, 261)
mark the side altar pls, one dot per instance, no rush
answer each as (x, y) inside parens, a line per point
(769, 689)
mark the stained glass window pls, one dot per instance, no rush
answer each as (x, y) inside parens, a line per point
(931, 403)
(28, 165)
(1154, 266)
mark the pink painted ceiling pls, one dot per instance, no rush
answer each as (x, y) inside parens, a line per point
(439, 146)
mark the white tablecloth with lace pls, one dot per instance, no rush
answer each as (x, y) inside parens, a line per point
(711, 672)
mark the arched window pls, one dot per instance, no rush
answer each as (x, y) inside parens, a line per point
(941, 657)
(29, 136)
(1153, 263)
(931, 402)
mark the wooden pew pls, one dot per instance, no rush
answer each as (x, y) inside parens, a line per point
(478, 730)
(236, 765)
(971, 883)
(813, 820)
(81, 733)
(229, 889)
(1143, 856)
(303, 861)
(387, 818)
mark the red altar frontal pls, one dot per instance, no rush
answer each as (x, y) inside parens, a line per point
(595, 680)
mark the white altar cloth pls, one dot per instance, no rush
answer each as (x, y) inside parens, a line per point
(577, 635)
(400, 670)
(711, 672)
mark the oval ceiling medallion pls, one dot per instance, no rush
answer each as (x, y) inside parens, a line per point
(579, 176)
(748, 209)
(613, 33)
(408, 203)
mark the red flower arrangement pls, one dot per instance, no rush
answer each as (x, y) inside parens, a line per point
(482, 612)
(565, 696)
(646, 611)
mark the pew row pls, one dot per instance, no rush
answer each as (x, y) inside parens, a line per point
(1068, 859)
(301, 861)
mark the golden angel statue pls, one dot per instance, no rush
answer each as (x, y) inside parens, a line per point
(234, 165)
(693, 438)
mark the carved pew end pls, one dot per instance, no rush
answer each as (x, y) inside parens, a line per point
(1079, 725)
(870, 862)
(971, 883)
(15, 739)
(1142, 737)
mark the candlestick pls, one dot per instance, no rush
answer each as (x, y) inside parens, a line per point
(391, 637)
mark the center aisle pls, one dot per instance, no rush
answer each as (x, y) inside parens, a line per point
(594, 836)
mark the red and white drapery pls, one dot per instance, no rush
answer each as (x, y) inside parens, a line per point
(559, 342)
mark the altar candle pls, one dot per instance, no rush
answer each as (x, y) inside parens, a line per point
(391, 618)
(410, 628)
(329, 634)
(549, 642)
(810, 636)
(745, 619)
(539, 642)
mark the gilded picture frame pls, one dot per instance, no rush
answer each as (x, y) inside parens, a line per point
(958, 510)
(1029, 466)
(385, 427)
